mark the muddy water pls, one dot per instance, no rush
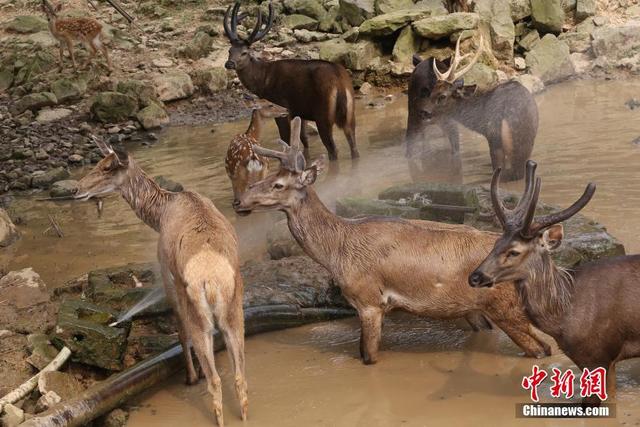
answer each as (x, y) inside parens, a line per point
(431, 372)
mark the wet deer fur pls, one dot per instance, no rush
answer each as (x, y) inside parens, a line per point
(198, 256)
(507, 115)
(69, 30)
(592, 310)
(314, 90)
(382, 264)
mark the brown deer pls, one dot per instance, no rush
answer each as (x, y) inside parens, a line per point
(315, 90)
(382, 264)
(592, 310)
(242, 164)
(198, 255)
(68, 30)
(506, 115)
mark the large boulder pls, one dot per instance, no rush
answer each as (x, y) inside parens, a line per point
(389, 23)
(577, 41)
(26, 297)
(310, 8)
(355, 56)
(198, 47)
(299, 22)
(27, 24)
(152, 116)
(497, 15)
(33, 102)
(482, 76)
(210, 80)
(68, 90)
(386, 6)
(48, 115)
(548, 15)
(173, 85)
(113, 107)
(357, 11)
(550, 59)
(406, 45)
(49, 177)
(437, 27)
(143, 91)
(8, 231)
(585, 9)
(520, 9)
(617, 42)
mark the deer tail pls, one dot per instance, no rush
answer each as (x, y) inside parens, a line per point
(345, 108)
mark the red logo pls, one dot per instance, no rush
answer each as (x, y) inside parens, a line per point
(592, 382)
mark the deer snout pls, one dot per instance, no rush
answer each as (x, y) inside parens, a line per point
(236, 203)
(478, 279)
(426, 115)
(230, 65)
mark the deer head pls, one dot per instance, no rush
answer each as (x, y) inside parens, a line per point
(106, 177)
(525, 238)
(268, 110)
(449, 87)
(287, 187)
(51, 11)
(239, 54)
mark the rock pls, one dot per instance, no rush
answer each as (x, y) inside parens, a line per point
(406, 45)
(581, 62)
(68, 90)
(387, 6)
(532, 83)
(13, 416)
(585, 9)
(162, 63)
(550, 59)
(116, 418)
(280, 243)
(578, 42)
(113, 107)
(569, 6)
(351, 207)
(153, 116)
(27, 24)
(497, 14)
(198, 47)
(8, 231)
(389, 23)
(210, 80)
(357, 11)
(33, 102)
(310, 8)
(617, 42)
(354, 56)
(6, 77)
(42, 351)
(168, 184)
(47, 401)
(519, 63)
(520, 9)
(143, 91)
(75, 158)
(173, 86)
(529, 40)
(548, 15)
(306, 36)
(365, 88)
(61, 383)
(49, 177)
(33, 65)
(23, 289)
(436, 27)
(298, 22)
(83, 327)
(481, 75)
(52, 115)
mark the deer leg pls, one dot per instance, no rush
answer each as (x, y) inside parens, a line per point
(325, 129)
(350, 133)
(477, 321)
(92, 52)
(496, 152)
(61, 46)
(69, 43)
(283, 124)
(201, 327)
(97, 43)
(611, 381)
(232, 327)
(519, 330)
(304, 137)
(371, 332)
(450, 129)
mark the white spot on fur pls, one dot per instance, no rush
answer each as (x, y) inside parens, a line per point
(254, 165)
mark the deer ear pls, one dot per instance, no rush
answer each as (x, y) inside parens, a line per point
(58, 7)
(310, 174)
(552, 236)
(416, 59)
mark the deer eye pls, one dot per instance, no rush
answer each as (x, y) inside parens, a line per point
(441, 98)
(512, 253)
(278, 186)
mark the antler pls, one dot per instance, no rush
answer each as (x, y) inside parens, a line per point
(521, 218)
(46, 5)
(291, 157)
(452, 74)
(231, 19)
(105, 148)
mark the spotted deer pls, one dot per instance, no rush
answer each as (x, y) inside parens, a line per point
(507, 115)
(198, 255)
(382, 264)
(69, 30)
(315, 90)
(243, 165)
(592, 310)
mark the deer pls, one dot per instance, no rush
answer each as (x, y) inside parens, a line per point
(591, 310)
(198, 256)
(314, 90)
(243, 165)
(459, 5)
(69, 30)
(384, 263)
(507, 115)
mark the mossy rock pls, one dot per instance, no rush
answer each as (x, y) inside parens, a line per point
(113, 107)
(144, 92)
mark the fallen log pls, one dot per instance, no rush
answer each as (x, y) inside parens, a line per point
(119, 388)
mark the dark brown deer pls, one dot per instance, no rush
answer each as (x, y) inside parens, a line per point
(382, 264)
(506, 115)
(198, 255)
(592, 310)
(314, 90)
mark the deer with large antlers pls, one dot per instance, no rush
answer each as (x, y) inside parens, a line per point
(314, 90)
(69, 30)
(506, 115)
(592, 310)
(198, 255)
(382, 264)
(243, 165)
